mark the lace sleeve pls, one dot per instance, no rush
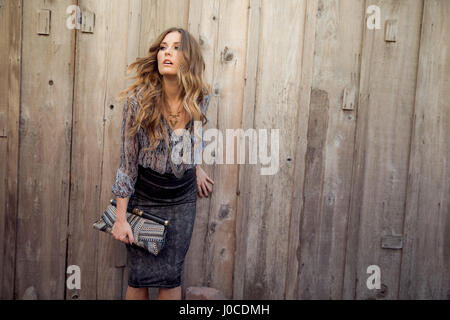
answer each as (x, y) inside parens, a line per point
(127, 171)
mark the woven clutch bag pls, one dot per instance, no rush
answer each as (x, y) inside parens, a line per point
(149, 231)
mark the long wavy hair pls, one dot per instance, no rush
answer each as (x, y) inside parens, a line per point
(149, 91)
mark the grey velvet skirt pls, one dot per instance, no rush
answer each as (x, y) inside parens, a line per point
(171, 198)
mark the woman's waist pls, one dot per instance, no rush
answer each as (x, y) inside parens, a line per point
(166, 187)
(167, 179)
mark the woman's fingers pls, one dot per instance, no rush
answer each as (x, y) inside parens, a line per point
(203, 187)
(205, 192)
(130, 237)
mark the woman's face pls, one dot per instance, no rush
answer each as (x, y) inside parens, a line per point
(170, 50)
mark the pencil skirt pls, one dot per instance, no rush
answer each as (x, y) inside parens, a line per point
(171, 198)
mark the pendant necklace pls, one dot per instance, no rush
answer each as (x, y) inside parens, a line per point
(173, 119)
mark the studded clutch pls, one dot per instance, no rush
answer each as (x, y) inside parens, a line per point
(149, 231)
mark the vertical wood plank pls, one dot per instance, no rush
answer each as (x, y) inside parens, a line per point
(229, 69)
(45, 136)
(122, 27)
(85, 243)
(8, 72)
(425, 269)
(101, 64)
(13, 10)
(388, 77)
(264, 200)
(329, 154)
(5, 28)
(307, 68)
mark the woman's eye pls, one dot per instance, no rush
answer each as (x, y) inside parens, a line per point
(161, 48)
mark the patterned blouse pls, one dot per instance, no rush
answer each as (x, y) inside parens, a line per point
(132, 155)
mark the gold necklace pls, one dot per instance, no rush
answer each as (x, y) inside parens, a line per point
(173, 117)
(177, 172)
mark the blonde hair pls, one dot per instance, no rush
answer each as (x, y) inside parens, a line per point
(148, 88)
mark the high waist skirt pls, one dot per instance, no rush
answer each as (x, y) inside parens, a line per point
(171, 198)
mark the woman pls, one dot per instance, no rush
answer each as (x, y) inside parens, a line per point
(168, 96)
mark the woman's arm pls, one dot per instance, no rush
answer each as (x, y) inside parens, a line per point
(122, 204)
(127, 171)
(126, 175)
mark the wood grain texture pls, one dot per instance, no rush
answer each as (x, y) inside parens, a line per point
(386, 105)
(6, 28)
(45, 146)
(248, 115)
(87, 247)
(425, 268)
(265, 200)
(6, 263)
(229, 72)
(329, 154)
(11, 147)
(307, 69)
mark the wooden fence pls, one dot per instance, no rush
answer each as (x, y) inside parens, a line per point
(364, 119)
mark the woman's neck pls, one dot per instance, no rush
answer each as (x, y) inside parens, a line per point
(172, 92)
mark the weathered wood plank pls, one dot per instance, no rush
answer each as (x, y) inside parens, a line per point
(45, 135)
(229, 72)
(248, 115)
(12, 160)
(5, 28)
(100, 60)
(329, 154)
(122, 26)
(6, 246)
(8, 49)
(388, 77)
(307, 68)
(266, 200)
(425, 269)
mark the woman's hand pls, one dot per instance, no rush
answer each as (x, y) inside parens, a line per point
(202, 182)
(121, 230)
